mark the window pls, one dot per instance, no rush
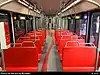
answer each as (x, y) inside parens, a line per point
(29, 25)
(95, 22)
(71, 23)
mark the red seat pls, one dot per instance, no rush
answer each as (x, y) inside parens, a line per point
(61, 46)
(79, 59)
(18, 44)
(25, 37)
(66, 37)
(74, 37)
(19, 41)
(58, 39)
(72, 43)
(81, 41)
(62, 43)
(31, 44)
(44, 36)
(28, 44)
(39, 48)
(21, 59)
(41, 39)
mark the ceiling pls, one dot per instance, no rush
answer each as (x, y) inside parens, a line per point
(51, 7)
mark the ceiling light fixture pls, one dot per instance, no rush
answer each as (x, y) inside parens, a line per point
(27, 5)
(37, 11)
(26, 2)
(77, 17)
(59, 13)
(5, 2)
(31, 7)
(22, 3)
(74, 3)
(94, 2)
(77, 1)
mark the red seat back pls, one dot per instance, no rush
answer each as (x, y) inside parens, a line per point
(68, 37)
(74, 37)
(38, 45)
(28, 44)
(62, 44)
(19, 41)
(72, 43)
(79, 57)
(18, 44)
(21, 57)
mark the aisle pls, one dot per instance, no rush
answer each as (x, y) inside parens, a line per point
(50, 60)
(45, 51)
(54, 63)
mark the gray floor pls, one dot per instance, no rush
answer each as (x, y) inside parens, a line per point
(54, 63)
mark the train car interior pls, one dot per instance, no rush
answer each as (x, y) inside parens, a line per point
(50, 35)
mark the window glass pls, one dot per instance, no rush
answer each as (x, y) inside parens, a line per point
(3, 17)
(71, 24)
(29, 26)
(95, 22)
(81, 25)
(19, 26)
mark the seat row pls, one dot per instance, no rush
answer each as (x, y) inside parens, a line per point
(75, 54)
(26, 53)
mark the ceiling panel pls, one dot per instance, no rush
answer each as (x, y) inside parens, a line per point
(51, 7)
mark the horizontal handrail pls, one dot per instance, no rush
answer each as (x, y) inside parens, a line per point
(80, 44)
(91, 44)
(71, 41)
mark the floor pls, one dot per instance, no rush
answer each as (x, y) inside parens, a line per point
(50, 55)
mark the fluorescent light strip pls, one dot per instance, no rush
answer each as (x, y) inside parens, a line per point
(22, 18)
(5, 2)
(77, 1)
(94, 2)
(25, 4)
(25, 1)
(22, 3)
(28, 6)
(31, 7)
(37, 11)
(59, 13)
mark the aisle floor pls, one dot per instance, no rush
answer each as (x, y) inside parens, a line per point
(53, 60)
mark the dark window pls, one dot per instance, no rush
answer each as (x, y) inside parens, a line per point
(95, 22)
(71, 24)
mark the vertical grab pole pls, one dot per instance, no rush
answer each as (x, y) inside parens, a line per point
(35, 29)
(34, 26)
(60, 27)
(97, 53)
(12, 23)
(3, 62)
(2, 59)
